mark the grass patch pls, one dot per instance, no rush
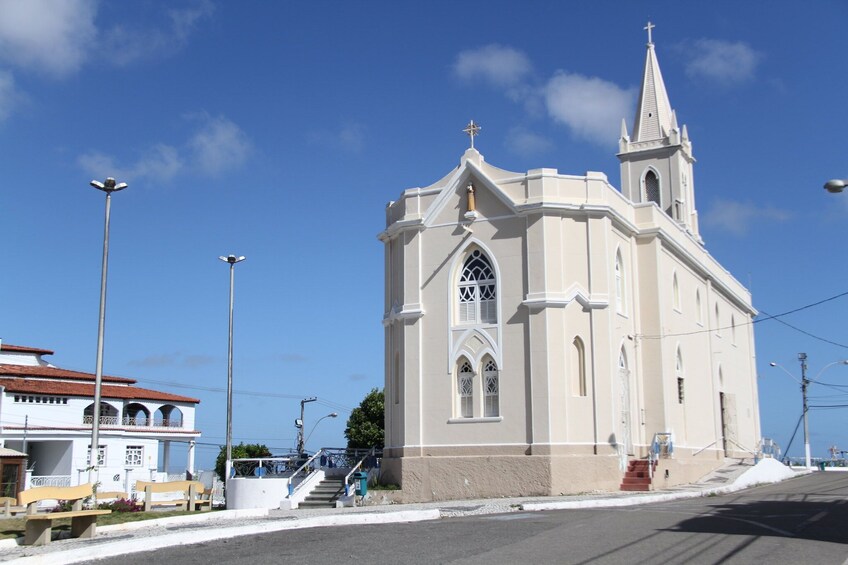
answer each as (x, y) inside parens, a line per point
(384, 487)
(14, 527)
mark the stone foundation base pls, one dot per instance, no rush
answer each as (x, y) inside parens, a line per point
(430, 478)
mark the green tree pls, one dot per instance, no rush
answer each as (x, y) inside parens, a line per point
(240, 451)
(366, 422)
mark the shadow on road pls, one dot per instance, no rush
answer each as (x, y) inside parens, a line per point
(819, 521)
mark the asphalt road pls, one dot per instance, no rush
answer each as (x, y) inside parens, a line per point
(803, 520)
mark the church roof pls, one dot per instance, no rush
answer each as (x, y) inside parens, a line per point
(654, 117)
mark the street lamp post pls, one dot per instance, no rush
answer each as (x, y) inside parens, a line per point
(299, 425)
(108, 186)
(805, 383)
(232, 260)
(309, 435)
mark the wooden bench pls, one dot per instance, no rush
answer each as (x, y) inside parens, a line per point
(9, 506)
(111, 495)
(195, 495)
(39, 527)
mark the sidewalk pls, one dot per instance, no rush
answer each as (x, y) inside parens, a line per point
(150, 535)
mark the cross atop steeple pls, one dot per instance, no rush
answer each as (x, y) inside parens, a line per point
(649, 27)
(472, 130)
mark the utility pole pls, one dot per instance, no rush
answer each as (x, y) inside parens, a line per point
(299, 424)
(802, 357)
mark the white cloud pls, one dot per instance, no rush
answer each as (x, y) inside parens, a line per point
(9, 96)
(737, 218)
(526, 143)
(722, 61)
(217, 145)
(127, 44)
(591, 107)
(496, 64)
(46, 35)
(350, 138)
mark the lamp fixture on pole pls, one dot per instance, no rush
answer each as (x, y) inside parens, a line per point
(309, 435)
(232, 260)
(835, 186)
(108, 186)
(299, 425)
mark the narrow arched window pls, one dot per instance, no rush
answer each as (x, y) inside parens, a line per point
(717, 321)
(699, 313)
(675, 289)
(396, 379)
(490, 389)
(578, 368)
(477, 290)
(465, 390)
(680, 379)
(652, 188)
(619, 284)
(733, 328)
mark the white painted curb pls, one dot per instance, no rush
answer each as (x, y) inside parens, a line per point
(124, 547)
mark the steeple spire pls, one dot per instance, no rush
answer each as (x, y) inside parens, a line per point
(653, 116)
(656, 160)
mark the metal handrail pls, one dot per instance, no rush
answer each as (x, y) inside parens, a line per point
(707, 447)
(291, 487)
(742, 447)
(347, 479)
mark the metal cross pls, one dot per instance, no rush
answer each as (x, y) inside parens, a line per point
(649, 27)
(472, 130)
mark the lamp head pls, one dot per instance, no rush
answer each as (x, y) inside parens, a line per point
(834, 186)
(773, 364)
(109, 185)
(335, 415)
(232, 259)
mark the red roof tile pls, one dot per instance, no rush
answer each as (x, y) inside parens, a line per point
(56, 373)
(59, 388)
(23, 349)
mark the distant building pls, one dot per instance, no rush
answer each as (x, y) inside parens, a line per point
(47, 412)
(542, 330)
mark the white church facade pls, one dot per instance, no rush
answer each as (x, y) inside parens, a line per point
(543, 329)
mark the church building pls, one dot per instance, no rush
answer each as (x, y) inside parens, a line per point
(543, 330)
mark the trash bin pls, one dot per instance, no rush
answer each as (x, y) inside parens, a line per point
(822, 465)
(361, 479)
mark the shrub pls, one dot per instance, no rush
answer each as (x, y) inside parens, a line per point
(121, 505)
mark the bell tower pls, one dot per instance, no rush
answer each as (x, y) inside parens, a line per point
(657, 161)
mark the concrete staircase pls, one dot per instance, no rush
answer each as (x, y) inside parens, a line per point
(638, 477)
(325, 494)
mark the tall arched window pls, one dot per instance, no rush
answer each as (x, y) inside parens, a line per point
(680, 381)
(675, 289)
(578, 368)
(476, 290)
(699, 313)
(465, 390)
(717, 321)
(652, 188)
(490, 389)
(620, 303)
(396, 379)
(733, 328)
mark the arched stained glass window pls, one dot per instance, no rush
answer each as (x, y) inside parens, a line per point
(465, 390)
(680, 380)
(477, 290)
(490, 389)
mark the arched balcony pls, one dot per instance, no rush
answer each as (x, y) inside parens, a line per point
(108, 414)
(136, 414)
(168, 416)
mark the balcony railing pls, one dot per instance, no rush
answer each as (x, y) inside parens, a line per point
(133, 421)
(51, 481)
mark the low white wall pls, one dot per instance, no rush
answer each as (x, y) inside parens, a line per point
(250, 492)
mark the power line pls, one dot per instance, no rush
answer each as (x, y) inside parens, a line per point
(767, 318)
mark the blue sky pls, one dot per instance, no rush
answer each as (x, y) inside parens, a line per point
(279, 131)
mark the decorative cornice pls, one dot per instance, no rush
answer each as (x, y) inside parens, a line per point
(540, 300)
(407, 312)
